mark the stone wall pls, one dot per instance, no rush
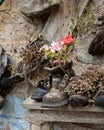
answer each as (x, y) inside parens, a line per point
(15, 28)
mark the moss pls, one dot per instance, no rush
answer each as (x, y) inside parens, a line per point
(48, 1)
(86, 20)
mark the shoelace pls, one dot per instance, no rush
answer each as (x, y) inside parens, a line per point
(64, 82)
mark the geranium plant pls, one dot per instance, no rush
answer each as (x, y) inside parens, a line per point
(57, 52)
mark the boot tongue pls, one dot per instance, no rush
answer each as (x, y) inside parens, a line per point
(62, 85)
(56, 81)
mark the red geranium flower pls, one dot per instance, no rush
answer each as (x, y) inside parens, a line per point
(66, 40)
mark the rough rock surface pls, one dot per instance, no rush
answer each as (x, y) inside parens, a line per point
(23, 90)
(15, 28)
(40, 8)
(41, 126)
(88, 30)
(63, 20)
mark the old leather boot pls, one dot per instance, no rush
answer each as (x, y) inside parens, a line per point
(99, 96)
(57, 74)
(67, 68)
(42, 88)
(99, 100)
(56, 97)
(78, 100)
(36, 9)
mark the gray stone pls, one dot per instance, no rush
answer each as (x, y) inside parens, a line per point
(87, 34)
(35, 127)
(15, 29)
(46, 126)
(41, 126)
(56, 127)
(23, 90)
(38, 9)
(63, 20)
(85, 57)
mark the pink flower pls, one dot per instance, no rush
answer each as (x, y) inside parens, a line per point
(52, 49)
(66, 40)
(55, 46)
(45, 47)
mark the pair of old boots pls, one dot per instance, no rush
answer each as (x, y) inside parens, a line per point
(51, 91)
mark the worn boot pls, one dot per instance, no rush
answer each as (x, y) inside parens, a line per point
(78, 100)
(67, 68)
(99, 96)
(99, 100)
(57, 74)
(43, 86)
(56, 97)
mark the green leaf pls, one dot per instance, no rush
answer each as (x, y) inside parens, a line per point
(64, 58)
(75, 41)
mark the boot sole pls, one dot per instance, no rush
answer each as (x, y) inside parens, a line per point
(54, 105)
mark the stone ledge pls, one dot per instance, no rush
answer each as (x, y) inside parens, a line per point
(66, 114)
(33, 105)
